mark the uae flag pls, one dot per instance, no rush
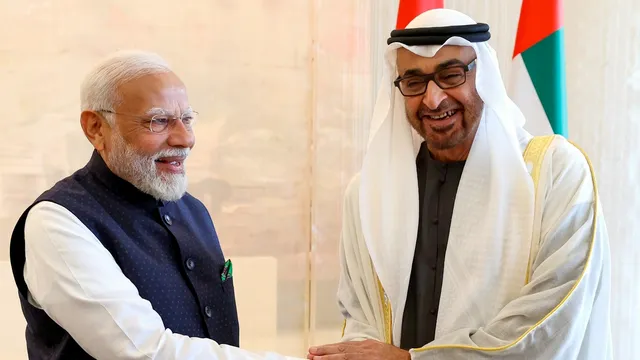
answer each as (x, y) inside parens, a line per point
(409, 9)
(538, 84)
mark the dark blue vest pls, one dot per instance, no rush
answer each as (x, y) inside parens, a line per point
(169, 250)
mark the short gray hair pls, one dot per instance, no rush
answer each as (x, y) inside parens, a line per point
(99, 90)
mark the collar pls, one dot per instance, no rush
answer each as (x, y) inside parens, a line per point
(424, 157)
(118, 186)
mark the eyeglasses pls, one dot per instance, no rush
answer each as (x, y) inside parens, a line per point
(159, 123)
(447, 78)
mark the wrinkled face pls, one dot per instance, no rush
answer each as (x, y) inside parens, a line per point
(151, 161)
(446, 118)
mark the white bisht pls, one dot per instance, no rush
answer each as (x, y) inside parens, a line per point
(527, 273)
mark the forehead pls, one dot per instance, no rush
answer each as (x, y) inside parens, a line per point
(157, 91)
(408, 60)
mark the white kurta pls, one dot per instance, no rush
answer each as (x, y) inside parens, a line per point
(76, 281)
(559, 307)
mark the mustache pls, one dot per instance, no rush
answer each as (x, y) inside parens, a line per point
(180, 152)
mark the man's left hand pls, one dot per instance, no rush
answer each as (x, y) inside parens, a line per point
(358, 350)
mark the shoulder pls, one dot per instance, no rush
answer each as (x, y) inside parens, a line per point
(68, 186)
(569, 161)
(570, 171)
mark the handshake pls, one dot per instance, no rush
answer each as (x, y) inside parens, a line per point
(353, 350)
(358, 350)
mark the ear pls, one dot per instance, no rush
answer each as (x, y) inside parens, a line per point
(95, 128)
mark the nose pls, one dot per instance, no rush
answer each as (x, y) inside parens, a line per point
(433, 96)
(180, 135)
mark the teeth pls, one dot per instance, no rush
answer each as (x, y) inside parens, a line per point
(443, 115)
(174, 163)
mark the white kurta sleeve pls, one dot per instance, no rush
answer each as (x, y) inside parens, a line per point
(76, 281)
(356, 295)
(563, 312)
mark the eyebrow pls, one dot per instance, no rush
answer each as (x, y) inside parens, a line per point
(161, 111)
(155, 111)
(442, 65)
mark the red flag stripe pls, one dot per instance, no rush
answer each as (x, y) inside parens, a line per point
(409, 9)
(538, 19)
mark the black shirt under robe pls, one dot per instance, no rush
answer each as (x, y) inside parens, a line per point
(437, 184)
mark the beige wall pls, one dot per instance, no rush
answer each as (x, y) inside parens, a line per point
(285, 90)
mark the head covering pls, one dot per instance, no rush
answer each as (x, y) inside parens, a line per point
(495, 195)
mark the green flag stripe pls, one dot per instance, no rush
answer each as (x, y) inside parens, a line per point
(545, 62)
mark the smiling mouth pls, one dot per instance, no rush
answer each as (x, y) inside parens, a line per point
(442, 116)
(170, 162)
(442, 122)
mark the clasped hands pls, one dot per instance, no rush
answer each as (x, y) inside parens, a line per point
(358, 350)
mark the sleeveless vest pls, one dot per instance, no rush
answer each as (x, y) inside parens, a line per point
(168, 250)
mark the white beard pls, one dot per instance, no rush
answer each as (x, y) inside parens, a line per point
(140, 170)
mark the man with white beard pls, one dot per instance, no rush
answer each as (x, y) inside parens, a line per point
(117, 261)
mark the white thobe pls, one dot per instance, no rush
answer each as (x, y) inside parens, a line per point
(560, 310)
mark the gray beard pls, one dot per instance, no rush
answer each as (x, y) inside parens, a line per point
(140, 170)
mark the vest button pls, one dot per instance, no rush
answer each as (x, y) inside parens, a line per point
(208, 311)
(433, 311)
(190, 264)
(434, 221)
(167, 219)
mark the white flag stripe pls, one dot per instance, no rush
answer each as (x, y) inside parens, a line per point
(522, 92)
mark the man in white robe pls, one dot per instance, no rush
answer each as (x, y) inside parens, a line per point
(526, 272)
